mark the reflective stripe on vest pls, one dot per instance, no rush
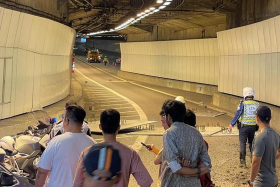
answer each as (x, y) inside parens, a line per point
(248, 116)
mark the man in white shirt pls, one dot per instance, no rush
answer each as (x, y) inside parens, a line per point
(59, 160)
(58, 128)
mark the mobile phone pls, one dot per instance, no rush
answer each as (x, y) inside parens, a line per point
(146, 146)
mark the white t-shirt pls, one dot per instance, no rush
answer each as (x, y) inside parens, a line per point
(61, 157)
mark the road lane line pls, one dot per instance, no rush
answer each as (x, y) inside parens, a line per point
(155, 90)
(140, 112)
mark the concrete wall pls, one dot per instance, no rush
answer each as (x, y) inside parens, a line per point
(252, 11)
(37, 7)
(186, 60)
(250, 56)
(160, 33)
(35, 57)
(176, 84)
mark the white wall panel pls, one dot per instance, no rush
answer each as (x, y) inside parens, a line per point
(14, 76)
(256, 62)
(20, 82)
(249, 35)
(268, 48)
(277, 33)
(29, 81)
(256, 78)
(34, 34)
(8, 80)
(37, 80)
(234, 42)
(244, 40)
(171, 60)
(256, 47)
(278, 77)
(2, 61)
(25, 31)
(42, 36)
(37, 71)
(239, 41)
(261, 37)
(12, 29)
(272, 35)
(18, 32)
(4, 27)
(274, 75)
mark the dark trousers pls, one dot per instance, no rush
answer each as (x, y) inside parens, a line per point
(246, 133)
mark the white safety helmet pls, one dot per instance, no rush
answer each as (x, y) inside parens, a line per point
(180, 98)
(7, 142)
(248, 91)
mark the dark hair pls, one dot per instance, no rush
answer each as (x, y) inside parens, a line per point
(161, 113)
(190, 118)
(75, 114)
(110, 121)
(175, 109)
(264, 114)
(69, 103)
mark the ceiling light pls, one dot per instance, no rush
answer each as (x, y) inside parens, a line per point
(138, 15)
(159, 1)
(169, 0)
(167, 3)
(156, 10)
(161, 7)
(152, 8)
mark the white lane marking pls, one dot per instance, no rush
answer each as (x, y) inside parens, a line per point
(119, 101)
(137, 144)
(101, 109)
(148, 88)
(114, 99)
(140, 112)
(118, 81)
(114, 104)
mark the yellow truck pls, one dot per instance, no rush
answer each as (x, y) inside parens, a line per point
(93, 56)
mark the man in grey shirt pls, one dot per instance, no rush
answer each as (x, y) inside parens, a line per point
(266, 149)
(181, 142)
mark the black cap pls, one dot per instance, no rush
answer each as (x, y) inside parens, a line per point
(264, 113)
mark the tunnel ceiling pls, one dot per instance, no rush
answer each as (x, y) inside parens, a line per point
(87, 16)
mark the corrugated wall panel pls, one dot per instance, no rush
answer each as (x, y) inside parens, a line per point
(37, 71)
(171, 60)
(256, 62)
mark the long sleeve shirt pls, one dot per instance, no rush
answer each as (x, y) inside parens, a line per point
(238, 113)
(182, 141)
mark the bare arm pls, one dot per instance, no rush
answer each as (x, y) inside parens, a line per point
(256, 162)
(192, 172)
(41, 177)
(158, 158)
(278, 154)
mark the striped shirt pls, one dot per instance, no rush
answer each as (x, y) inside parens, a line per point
(182, 141)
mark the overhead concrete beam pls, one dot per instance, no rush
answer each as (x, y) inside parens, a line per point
(61, 3)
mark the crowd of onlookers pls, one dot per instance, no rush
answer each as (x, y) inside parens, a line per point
(75, 159)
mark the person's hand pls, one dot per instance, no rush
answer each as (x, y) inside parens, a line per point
(230, 127)
(150, 147)
(185, 162)
(250, 185)
(204, 170)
